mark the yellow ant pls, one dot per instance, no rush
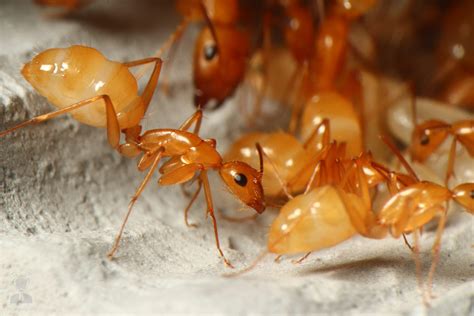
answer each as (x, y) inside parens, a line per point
(103, 93)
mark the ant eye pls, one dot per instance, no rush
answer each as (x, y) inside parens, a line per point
(240, 179)
(472, 194)
(425, 140)
(210, 51)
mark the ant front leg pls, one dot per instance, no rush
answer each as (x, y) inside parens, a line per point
(210, 211)
(191, 202)
(113, 127)
(452, 157)
(133, 200)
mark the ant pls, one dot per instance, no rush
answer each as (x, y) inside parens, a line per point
(428, 136)
(189, 154)
(63, 77)
(327, 59)
(324, 216)
(416, 205)
(221, 48)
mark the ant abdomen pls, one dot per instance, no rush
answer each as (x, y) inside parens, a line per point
(310, 222)
(69, 75)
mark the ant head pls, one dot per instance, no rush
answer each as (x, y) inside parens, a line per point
(219, 63)
(464, 195)
(426, 138)
(245, 182)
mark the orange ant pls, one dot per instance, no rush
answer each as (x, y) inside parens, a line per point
(416, 205)
(189, 154)
(317, 89)
(63, 77)
(221, 49)
(428, 136)
(324, 216)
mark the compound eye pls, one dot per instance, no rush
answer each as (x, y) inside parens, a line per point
(472, 194)
(210, 51)
(425, 139)
(240, 179)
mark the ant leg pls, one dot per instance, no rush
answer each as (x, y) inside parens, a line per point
(113, 128)
(406, 242)
(452, 156)
(416, 258)
(210, 211)
(191, 201)
(170, 41)
(196, 119)
(277, 259)
(262, 91)
(300, 260)
(435, 252)
(277, 174)
(152, 81)
(326, 133)
(132, 202)
(400, 157)
(296, 101)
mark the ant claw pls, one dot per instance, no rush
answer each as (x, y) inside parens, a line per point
(227, 263)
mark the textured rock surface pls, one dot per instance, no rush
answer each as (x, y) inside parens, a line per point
(64, 192)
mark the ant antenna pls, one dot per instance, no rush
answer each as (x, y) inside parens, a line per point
(414, 118)
(209, 23)
(400, 157)
(277, 174)
(260, 157)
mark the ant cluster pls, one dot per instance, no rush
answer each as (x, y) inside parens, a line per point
(318, 172)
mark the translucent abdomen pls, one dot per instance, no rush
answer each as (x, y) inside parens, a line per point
(68, 75)
(311, 222)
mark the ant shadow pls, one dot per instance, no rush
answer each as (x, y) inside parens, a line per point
(359, 268)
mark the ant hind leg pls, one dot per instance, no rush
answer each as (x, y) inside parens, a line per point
(113, 128)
